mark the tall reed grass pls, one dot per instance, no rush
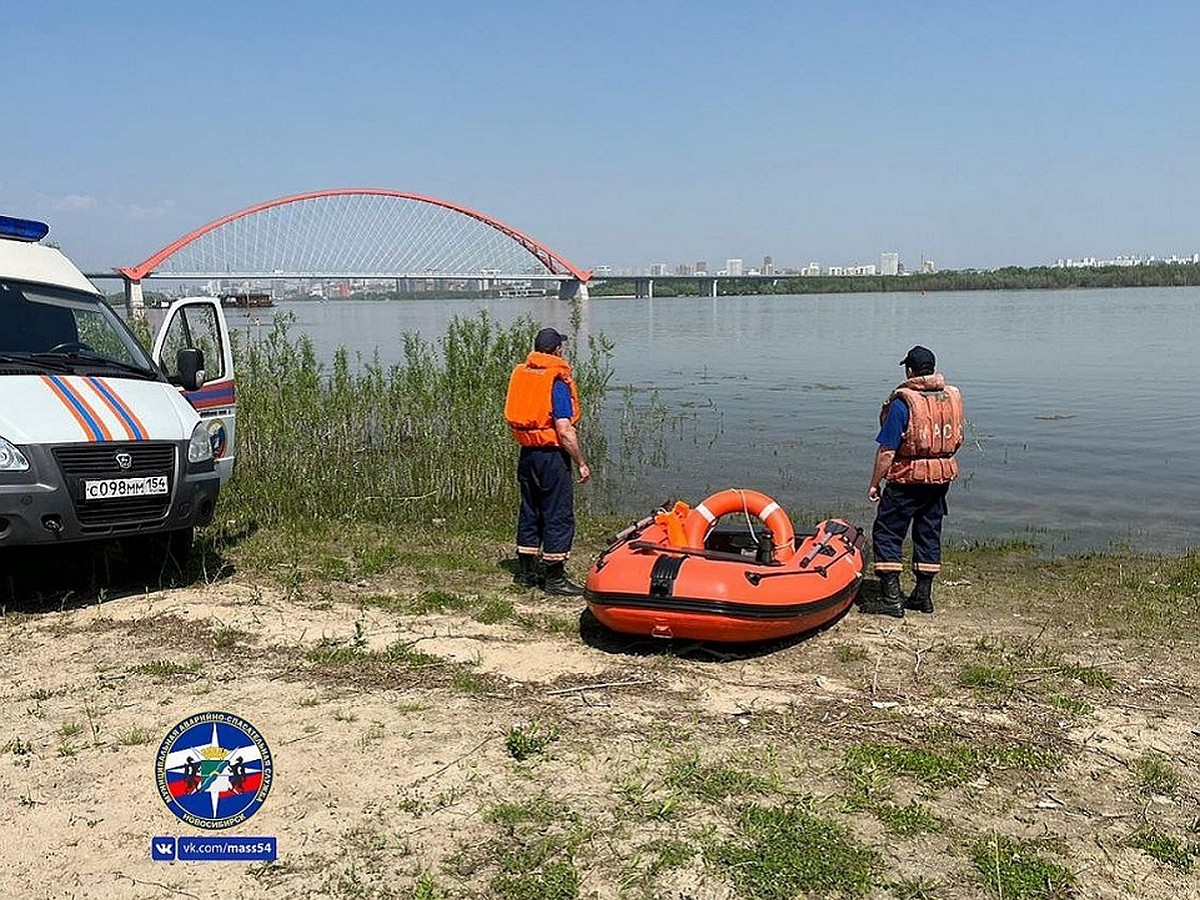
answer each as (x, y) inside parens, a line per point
(390, 444)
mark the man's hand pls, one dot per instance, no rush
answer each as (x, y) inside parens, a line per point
(873, 493)
(585, 473)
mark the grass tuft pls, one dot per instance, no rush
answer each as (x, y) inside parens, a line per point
(1165, 848)
(1013, 870)
(529, 739)
(909, 820)
(714, 781)
(783, 852)
(1156, 775)
(165, 668)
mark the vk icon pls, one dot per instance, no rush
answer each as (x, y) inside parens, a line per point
(163, 849)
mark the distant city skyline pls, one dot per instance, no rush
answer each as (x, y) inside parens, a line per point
(625, 133)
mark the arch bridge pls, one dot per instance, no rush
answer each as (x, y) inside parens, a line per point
(360, 233)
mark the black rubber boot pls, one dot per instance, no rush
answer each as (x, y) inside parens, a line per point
(890, 601)
(526, 570)
(558, 583)
(921, 599)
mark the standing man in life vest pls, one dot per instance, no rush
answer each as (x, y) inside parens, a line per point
(542, 408)
(921, 428)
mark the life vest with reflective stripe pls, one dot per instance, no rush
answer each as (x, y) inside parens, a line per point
(529, 406)
(934, 432)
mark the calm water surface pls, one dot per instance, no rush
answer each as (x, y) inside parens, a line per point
(1083, 419)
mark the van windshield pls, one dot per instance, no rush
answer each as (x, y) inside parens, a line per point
(59, 330)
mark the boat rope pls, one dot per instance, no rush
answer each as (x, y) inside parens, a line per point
(746, 513)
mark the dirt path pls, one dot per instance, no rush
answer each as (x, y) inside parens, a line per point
(396, 734)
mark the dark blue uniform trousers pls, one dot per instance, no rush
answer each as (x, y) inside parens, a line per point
(547, 516)
(921, 505)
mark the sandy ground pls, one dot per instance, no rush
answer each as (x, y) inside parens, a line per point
(384, 772)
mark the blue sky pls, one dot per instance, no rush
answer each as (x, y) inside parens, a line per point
(622, 133)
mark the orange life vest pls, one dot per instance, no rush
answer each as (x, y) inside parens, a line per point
(529, 407)
(934, 432)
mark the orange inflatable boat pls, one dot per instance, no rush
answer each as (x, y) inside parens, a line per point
(680, 573)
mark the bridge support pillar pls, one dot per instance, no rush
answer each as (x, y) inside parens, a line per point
(643, 288)
(708, 287)
(135, 302)
(572, 289)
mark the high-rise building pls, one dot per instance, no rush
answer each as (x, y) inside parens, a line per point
(768, 266)
(733, 266)
(658, 269)
(701, 267)
(889, 264)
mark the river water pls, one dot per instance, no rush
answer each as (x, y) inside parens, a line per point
(1082, 410)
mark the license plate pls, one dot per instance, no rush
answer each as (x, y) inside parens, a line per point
(116, 488)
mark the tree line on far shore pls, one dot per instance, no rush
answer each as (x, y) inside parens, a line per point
(1009, 278)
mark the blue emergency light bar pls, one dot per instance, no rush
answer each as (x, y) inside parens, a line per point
(22, 229)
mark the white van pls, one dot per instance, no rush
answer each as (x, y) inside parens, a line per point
(99, 439)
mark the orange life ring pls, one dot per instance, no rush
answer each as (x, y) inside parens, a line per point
(753, 503)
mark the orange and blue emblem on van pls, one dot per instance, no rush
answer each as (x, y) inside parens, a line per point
(93, 426)
(133, 425)
(78, 404)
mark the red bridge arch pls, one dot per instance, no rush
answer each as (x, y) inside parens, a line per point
(554, 263)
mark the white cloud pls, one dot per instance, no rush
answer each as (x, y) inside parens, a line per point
(72, 202)
(148, 210)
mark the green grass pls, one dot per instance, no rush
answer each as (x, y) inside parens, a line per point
(909, 820)
(714, 781)
(336, 653)
(165, 668)
(409, 444)
(535, 850)
(951, 765)
(1165, 848)
(494, 611)
(1013, 870)
(1156, 775)
(135, 737)
(868, 764)
(779, 853)
(988, 679)
(436, 601)
(529, 739)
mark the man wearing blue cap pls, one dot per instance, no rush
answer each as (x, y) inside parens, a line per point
(921, 428)
(542, 409)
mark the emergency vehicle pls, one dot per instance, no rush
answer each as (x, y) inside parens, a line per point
(98, 438)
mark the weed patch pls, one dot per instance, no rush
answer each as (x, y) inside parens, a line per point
(1156, 775)
(165, 668)
(908, 820)
(780, 853)
(1013, 870)
(1165, 848)
(529, 739)
(713, 782)
(536, 850)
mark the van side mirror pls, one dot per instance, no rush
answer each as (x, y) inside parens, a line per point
(189, 366)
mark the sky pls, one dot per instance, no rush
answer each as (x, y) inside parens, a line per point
(621, 132)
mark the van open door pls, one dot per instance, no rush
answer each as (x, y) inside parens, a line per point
(199, 323)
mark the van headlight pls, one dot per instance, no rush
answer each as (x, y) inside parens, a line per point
(12, 459)
(199, 447)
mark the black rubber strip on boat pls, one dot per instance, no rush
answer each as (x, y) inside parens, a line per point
(723, 607)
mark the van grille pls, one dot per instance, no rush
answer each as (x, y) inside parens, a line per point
(78, 463)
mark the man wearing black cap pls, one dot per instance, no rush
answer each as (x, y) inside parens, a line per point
(921, 428)
(542, 408)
